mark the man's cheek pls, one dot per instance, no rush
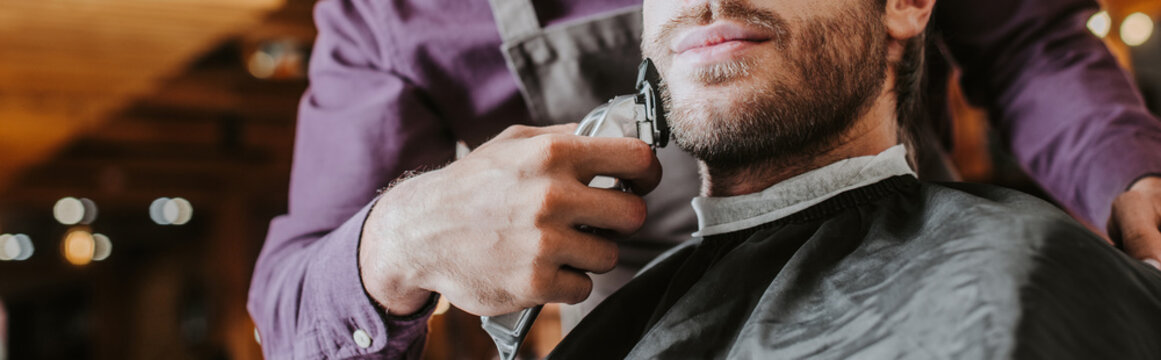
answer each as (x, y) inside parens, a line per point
(656, 50)
(655, 13)
(690, 96)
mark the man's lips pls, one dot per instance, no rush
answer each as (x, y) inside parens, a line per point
(718, 33)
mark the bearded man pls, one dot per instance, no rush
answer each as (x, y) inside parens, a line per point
(815, 238)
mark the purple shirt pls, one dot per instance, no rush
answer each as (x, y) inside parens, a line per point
(395, 83)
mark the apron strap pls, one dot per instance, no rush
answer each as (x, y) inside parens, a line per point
(516, 19)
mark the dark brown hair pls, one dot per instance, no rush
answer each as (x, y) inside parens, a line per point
(910, 82)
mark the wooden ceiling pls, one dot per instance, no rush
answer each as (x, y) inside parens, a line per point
(194, 125)
(66, 65)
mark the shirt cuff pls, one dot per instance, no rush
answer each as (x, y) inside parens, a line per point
(348, 321)
(407, 332)
(1114, 169)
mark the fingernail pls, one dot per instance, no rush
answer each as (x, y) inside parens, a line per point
(1153, 263)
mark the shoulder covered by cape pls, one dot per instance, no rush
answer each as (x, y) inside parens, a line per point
(897, 269)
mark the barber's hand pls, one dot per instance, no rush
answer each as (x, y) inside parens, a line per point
(496, 231)
(1136, 220)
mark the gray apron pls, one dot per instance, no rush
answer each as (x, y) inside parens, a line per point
(566, 70)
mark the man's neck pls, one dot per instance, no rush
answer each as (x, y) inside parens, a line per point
(872, 133)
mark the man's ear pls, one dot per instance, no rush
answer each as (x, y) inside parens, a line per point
(906, 19)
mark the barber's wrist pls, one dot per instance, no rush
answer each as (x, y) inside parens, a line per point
(387, 275)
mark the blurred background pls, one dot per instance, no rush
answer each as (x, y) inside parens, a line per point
(145, 145)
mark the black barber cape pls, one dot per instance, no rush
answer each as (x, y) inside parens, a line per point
(895, 270)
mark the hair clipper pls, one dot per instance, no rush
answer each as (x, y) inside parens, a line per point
(639, 115)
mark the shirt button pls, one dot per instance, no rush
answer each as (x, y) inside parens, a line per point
(362, 339)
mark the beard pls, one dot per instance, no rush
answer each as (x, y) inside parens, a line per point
(834, 68)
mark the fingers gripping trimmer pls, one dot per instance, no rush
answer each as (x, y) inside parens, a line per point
(641, 116)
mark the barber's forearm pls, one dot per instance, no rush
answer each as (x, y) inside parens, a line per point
(1088, 144)
(1072, 115)
(359, 126)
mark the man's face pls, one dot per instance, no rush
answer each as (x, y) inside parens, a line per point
(752, 80)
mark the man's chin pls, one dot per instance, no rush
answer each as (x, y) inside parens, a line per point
(706, 118)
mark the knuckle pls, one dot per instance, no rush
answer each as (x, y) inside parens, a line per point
(610, 256)
(554, 147)
(584, 288)
(641, 154)
(516, 131)
(552, 198)
(539, 287)
(546, 245)
(636, 212)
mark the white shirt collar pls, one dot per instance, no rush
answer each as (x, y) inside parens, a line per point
(720, 215)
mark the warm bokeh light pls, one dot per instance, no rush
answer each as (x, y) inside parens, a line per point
(167, 211)
(261, 65)
(277, 59)
(102, 247)
(184, 211)
(72, 211)
(90, 211)
(69, 211)
(1100, 24)
(78, 247)
(1136, 29)
(16, 247)
(9, 247)
(26, 248)
(156, 212)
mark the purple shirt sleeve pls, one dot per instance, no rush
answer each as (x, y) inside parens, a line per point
(1070, 113)
(360, 126)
